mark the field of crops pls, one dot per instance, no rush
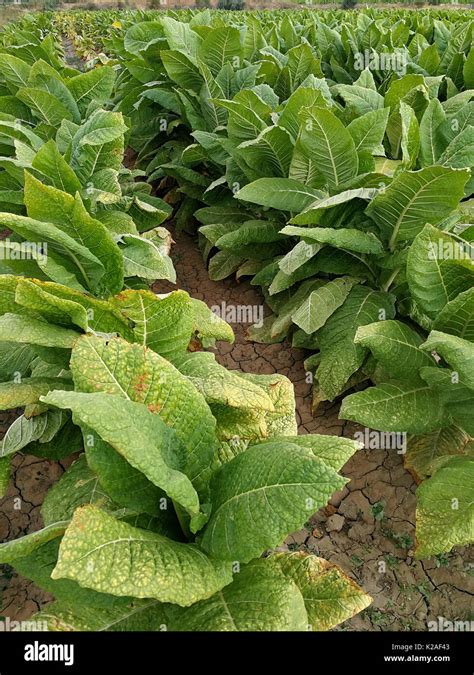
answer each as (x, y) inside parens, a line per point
(325, 158)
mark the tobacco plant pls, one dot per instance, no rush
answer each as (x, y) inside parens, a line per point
(189, 473)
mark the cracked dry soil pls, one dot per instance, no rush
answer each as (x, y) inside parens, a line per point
(368, 528)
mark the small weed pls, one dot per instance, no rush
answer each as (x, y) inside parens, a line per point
(377, 618)
(392, 561)
(356, 561)
(442, 560)
(378, 510)
(425, 589)
(400, 539)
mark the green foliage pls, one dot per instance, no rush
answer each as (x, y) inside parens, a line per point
(342, 186)
(64, 191)
(141, 520)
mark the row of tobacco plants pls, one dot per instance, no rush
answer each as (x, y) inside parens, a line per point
(185, 472)
(327, 156)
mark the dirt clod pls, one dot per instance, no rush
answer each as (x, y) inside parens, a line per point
(335, 523)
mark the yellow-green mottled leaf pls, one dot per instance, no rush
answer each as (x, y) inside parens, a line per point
(144, 564)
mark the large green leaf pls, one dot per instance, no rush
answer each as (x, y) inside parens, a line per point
(72, 257)
(163, 324)
(223, 264)
(23, 431)
(98, 144)
(398, 407)
(340, 356)
(80, 486)
(324, 138)
(362, 100)
(456, 351)
(15, 358)
(144, 564)
(431, 140)
(49, 204)
(298, 256)
(458, 154)
(260, 598)
(396, 347)
(284, 194)
(62, 305)
(445, 509)
(457, 316)
(38, 566)
(142, 35)
(57, 88)
(415, 198)
(236, 423)
(25, 330)
(330, 596)
(119, 368)
(181, 69)
(56, 310)
(126, 486)
(131, 615)
(179, 35)
(281, 421)
(270, 153)
(146, 258)
(425, 453)
(49, 161)
(209, 325)
(368, 131)
(321, 303)
(94, 85)
(438, 269)
(281, 325)
(263, 494)
(457, 398)
(344, 237)
(332, 450)
(19, 548)
(145, 441)
(315, 211)
(221, 386)
(302, 97)
(29, 390)
(220, 46)
(15, 71)
(47, 106)
(251, 232)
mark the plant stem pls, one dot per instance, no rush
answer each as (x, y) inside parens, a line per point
(391, 279)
